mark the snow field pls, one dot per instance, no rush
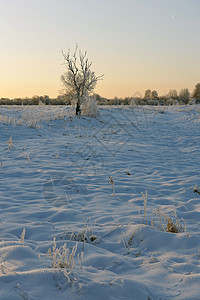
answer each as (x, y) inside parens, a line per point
(54, 183)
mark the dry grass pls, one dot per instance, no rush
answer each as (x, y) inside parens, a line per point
(111, 181)
(167, 223)
(145, 197)
(10, 143)
(22, 235)
(85, 235)
(62, 257)
(196, 189)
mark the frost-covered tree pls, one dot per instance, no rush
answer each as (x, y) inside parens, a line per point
(154, 94)
(79, 80)
(196, 92)
(147, 94)
(173, 94)
(184, 95)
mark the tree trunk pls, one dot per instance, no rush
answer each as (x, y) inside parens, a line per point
(78, 108)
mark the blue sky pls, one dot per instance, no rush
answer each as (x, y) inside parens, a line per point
(137, 44)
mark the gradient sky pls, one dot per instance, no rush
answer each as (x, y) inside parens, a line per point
(137, 44)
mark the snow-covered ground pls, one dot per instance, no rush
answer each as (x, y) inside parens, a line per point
(107, 188)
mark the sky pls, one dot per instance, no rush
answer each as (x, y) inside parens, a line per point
(137, 44)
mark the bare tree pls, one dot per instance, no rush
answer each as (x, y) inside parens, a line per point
(79, 80)
(184, 95)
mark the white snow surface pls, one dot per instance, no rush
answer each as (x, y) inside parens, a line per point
(54, 182)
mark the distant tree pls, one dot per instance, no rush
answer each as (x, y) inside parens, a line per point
(65, 99)
(126, 101)
(35, 100)
(116, 101)
(46, 99)
(147, 94)
(173, 94)
(196, 92)
(79, 80)
(154, 95)
(184, 95)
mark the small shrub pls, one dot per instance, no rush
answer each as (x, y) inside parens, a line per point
(90, 107)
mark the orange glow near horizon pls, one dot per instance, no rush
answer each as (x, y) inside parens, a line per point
(107, 92)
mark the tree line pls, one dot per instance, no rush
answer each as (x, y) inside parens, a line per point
(184, 97)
